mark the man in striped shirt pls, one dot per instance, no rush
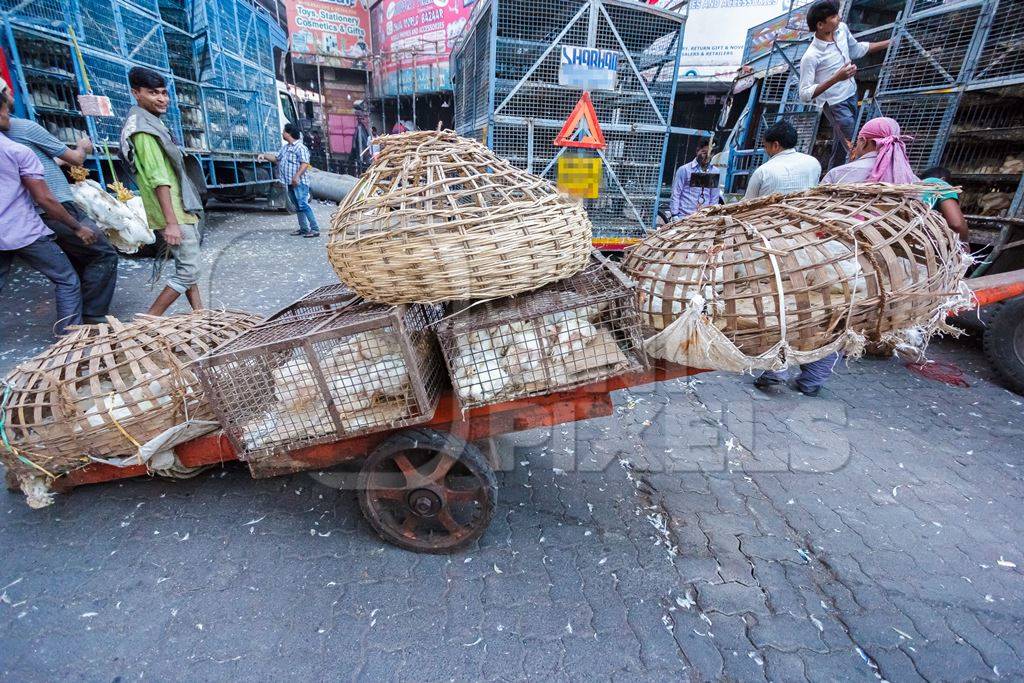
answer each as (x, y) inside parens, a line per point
(96, 262)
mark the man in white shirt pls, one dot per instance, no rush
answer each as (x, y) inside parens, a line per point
(827, 73)
(786, 170)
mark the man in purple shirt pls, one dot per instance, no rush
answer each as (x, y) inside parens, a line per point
(22, 233)
(686, 198)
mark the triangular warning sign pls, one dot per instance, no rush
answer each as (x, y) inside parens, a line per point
(581, 129)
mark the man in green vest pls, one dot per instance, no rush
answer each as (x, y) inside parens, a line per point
(171, 197)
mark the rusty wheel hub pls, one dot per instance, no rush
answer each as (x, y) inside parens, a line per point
(424, 503)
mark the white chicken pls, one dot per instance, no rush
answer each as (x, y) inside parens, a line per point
(124, 223)
(525, 351)
(573, 333)
(480, 376)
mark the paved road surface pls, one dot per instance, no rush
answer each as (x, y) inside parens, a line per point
(704, 531)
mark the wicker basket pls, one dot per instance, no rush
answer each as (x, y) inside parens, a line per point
(849, 265)
(308, 378)
(438, 217)
(570, 333)
(102, 390)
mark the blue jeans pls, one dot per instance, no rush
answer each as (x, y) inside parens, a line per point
(812, 375)
(299, 195)
(45, 256)
(844, 120)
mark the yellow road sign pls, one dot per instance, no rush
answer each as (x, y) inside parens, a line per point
(580, 176)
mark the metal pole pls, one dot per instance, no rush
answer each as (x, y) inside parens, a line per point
(592, 25)
(320, 89)
(415, 82)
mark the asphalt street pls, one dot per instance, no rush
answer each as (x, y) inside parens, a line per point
(705, 531)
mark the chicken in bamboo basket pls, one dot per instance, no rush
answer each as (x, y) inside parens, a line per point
(102, 392)
(438, 217)
(848, 266)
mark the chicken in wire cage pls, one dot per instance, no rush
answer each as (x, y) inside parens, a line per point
(308, 376)
(567, 334)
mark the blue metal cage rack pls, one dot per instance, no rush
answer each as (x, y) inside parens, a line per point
(217, 55)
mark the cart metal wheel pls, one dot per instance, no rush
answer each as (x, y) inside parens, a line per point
(1004, 342)
(427, 491)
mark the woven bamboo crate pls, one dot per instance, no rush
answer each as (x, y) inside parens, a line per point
(102, 390)
(847, 265)
(567, 334)
(440, 218)
(301, 380)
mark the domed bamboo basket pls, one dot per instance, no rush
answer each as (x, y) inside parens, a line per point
(102, 390)
(848, 264)
(439, 217)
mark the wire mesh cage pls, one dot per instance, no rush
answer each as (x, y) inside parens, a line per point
(144, 40)
(1001, 61)
(574, 332)
(805, 122)
(305, 378)
(109, 78)
(321, 300)
(46, 13)
(521, 106)
(99, 25)
(931, 50)
(924, 117)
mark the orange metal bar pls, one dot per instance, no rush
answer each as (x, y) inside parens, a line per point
(990, 289)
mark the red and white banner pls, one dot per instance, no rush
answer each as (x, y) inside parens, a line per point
(414, 39)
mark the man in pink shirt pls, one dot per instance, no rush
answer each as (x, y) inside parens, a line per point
(22, 232)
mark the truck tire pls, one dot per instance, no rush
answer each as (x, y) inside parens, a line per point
(1004, 342)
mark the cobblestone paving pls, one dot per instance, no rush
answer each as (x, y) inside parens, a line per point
(705, 531)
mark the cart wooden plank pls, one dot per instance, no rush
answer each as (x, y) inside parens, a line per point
(582, 403)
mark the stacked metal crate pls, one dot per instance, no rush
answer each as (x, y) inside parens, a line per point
(772, 59)
(113, 36)
(234, 56)
(507, 94)
(954, 79)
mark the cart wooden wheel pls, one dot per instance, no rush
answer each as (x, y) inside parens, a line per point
(427, 491)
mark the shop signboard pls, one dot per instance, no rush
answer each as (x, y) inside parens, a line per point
(329, 32)
(588, 68)
(413, 40)
(716, 34)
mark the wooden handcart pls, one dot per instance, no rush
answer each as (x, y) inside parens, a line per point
(427, 488)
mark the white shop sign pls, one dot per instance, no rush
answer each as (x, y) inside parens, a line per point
(588, 68)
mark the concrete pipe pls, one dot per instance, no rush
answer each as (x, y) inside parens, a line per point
(331, 187)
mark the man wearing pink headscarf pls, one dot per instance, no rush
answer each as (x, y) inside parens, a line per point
(880, 156)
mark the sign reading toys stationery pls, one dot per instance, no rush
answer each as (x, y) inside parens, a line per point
(331, 32)
(414, 39)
